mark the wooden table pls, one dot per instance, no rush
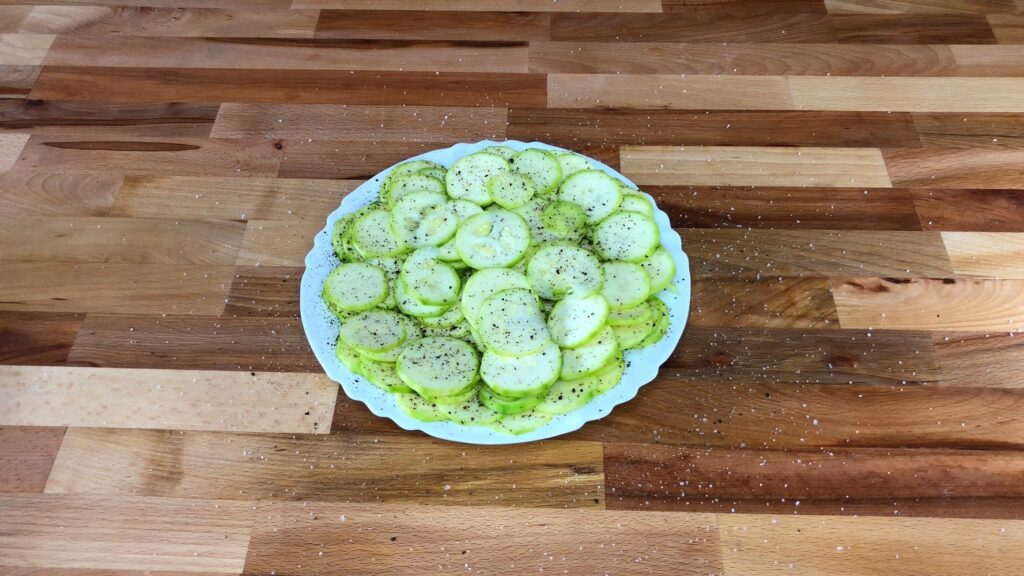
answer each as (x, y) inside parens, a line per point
(848, 177)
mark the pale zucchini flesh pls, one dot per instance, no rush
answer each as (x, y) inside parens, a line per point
(540, 167)
(626, 236)
(438, 366)
(575, 320)
(511, 323)
(626, 284)
(518, 376)
(589, 358)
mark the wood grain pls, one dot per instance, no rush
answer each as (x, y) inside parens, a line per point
(177, 399)
(56, 532)
(11, 17)
(667, 91)
(754, 166)
(433, 25)
(360, 123)
(264, 291)
(149, 21)
(309, 158)
(921, 6)
(114, 288)
(955, 168)
(273, 243)
(57, 194)
(989, 60)
(912, 29)
(925, 304)
(488, 5)
(907, 94)
(762, 303)
(986, 254)
(985, 359)
(352, 468)
(26, 457)
(31, 338)
(17, 80)
(11, 146)
(977, 210)
(753, 22)
(88, 118)
(733, 252)
(938, 130)
(411, 539)
(1008, 28)
(24, 49)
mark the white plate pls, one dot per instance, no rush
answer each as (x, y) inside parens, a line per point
(322, 327)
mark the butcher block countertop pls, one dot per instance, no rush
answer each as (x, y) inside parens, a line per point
(847, 177)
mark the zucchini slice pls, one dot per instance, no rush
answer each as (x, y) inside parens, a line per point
(383, 375)
(420, 408)
(492, 239)
(484, 283)
(402, 169)
(423, 219)
(471, 412)
(506, 404)
(568, 395)
(661, 268)
(510, 322)
(402, 186)
(575, 320)
(589, 358)
(518, 376)
(510, 190)
(597, 193)
(632, 335)
(626, 236)
(408, 304)
(610, 376)
(501, 151)
(355, 286)
(563, 221)
(561, 269)
(540, 166)
(468, 176)
(430, 280)
(572, 163)
(633, 202)
(626, 284)
(661, 322)
(375, 330)
(516, 424)
(629, 316)
(438, 366)
(372, 236)
(348, 356)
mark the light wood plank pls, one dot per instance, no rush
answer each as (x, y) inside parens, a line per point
(989, 60)
(124, 533)
(114, 288)
(348, 468)
(11, 147)
(414, 539)
(360, 123)
(668, 91)
(907, 94)
(57, 194)
(118, 240)
(987, 254)
(174, 399)
(955, 168)
(765, 544)
(921, 6)
(989, 359)
(16, 81)
(275, 243)
(924, 304)
(26, 457)
(754, 166)
(488, 5)
(1008, 28)
(25, 49)
(140, 21)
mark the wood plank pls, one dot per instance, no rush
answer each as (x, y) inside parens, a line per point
(151, 155)
(139, 21)
(745, 59)
(177, 197)
(360, 123)
(923, 304)
(943, 130)
(26, 457)
(24, 49)
(696, 24)
(11, 147)
(172, 399)
(118, 240)
(11, 17)
(981, 60)
(193, 343)
(971, 210)
(124, 533)
(37, 337)
(983, 359)
(782, 415)
(274, 243)
(907, 94)
(732, 355)
(308, 158)
(413, 539)
(912, 29)
(487, 5)
(805, 208)
(763, 303)
(1008, 28)
(254, 4)
(836, 545)
(285, 53)
(295, 86)
(667, 91)
(264, 291)
(573, 127)
(57, 194)
(921, 6)
(16, 81)
(955, 168)
(433, 25)
(699, 479)
(754, 166)
(289, 467)
(88, 118)
(986, 254)
(114, 288)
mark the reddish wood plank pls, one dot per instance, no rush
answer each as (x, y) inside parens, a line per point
(1008, 28)
(294, 86)
(989, 359)
(433, 25)
(171, 21)
(487, 5)
(193, 343)
(17, 80)
(49, 194)
(955, 168)
(344, 159)
(764, 303)
(37, 337)
(796, 208)
(921, 6)
(26, 456)
(981, 210)
(11, 17)
(90, 118)
(915, 29)
(944, 130)
(695, 24)
(264, 291)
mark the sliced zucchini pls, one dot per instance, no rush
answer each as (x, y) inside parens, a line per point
(575, 320)
(410, 183)
(630, 316)
(661, 268)
(413, 307)
(609, 376)
(460, 330)
(589, 358)
(632, 335)
(471, 412)
(391, 268)
(661, 322)
(348, 356)
(503, 151)
(340, 236)
(372, 236)
(468, 176)
(540, 166)
(448, 253)
(516, 424)
(492, 239)
(484, 283)
(383, 375)
(419, 408)
(402, 169)
(597, 193)
(412, 333)
(464, 209)
(433, 173)
(355, 286)
(518, 376)
(510, 322)
(568, 395)
(449, 318)
(461, 397)
(531, 213)
(560, 269)
(375, 330)
(430, 280)
(438, 366)
(633, 202)
(626, 284)
(525, 260)
(572, 163)
(506, 404)
(563, 221)
(423, 219)
(510, 190)
(626, 236)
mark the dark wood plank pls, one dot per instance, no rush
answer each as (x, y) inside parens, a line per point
(913, 29)
(861, 481)
(970, 130)
(970, 210)
(748, 6)
(169, 21)
(1008, 28)
(91, 118)
(26, 456)
(805, 208)
(264, 291)
(989, 359)
(575, 127)
(57, 194)
(766, 303)
(293, 86)
(194, 343)
(955, 168)
(41, 338)
(696, 24)
(432, 25)
(740, 355)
